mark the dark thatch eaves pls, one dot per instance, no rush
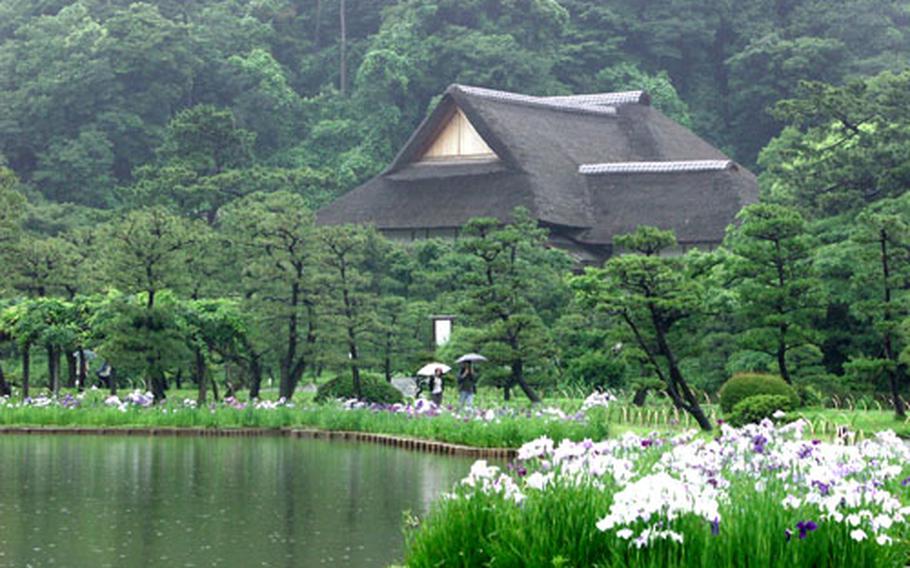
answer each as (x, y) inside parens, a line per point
(586, 166)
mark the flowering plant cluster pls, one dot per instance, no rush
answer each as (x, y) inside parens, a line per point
(761, 476)
(427, 409)
(257, 404)
(66, 401)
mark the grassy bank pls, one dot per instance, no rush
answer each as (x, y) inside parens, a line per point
(494, 424)
(500, 427)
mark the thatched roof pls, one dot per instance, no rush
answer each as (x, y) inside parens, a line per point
(593, 165)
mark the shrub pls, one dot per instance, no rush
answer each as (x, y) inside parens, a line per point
(757, 408)
(745, 385)
(373, 387)
(597, 369)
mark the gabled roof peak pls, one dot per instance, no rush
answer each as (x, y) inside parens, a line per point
(532, 101)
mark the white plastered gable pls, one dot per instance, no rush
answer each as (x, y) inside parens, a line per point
(457, 139)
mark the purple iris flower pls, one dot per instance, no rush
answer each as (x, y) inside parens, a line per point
(823, 488)
(805, 452)
(788, 533)
(69, 401)
(905, 482)
(758, 444)
(646, 443)
(715, 526)
(805, 527)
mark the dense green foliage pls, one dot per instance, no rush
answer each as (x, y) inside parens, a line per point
(108, 101)
(747, 385)
(372, 389)
(160, 162)
(756, 408)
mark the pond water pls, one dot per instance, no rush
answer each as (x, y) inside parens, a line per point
(98, 501)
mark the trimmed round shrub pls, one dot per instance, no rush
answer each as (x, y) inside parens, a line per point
(744, 385)
(373, 388)
(757, 408)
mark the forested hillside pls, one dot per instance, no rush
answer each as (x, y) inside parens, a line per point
(99, 97)
(160, 164)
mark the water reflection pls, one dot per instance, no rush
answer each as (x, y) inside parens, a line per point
(137, 502)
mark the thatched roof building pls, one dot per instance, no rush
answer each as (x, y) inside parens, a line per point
(588, 167)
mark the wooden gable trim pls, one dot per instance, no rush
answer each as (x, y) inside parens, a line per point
(455, 139)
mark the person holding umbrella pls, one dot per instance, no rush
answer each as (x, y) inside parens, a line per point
(434, 371)
(467, 385)
(467, 379)
(436, 387)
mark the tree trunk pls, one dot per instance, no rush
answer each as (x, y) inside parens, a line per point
(112, 381)
(782, 327)
(352, 333)
(71, 370)
(507, 392)
(355, 369)
(318, 18)
(5, 389)
(50, 370)
(641, 396)
(255, 376)
(899, 410)
(343, 80)
(287, 384)
(83, 370)
(26, 369)
(387, 365)
(214, 388)
(158, 384)
(199, 371)
(311, 334)
(518, 377)
(677, 383)
(782, 355)
(389, 346)
(53, 370)
(233, 381)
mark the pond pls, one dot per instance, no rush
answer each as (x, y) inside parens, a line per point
(182, 502)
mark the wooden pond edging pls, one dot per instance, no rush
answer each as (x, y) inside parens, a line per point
(414, 444)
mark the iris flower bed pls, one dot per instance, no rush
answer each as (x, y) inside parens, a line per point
(761, 495)
(483, 427)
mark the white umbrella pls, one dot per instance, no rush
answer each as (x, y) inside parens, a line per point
(470, 358)
(429, 369)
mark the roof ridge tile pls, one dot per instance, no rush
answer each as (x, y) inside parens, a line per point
(655, 167)
(532, 101)
(604, 99)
